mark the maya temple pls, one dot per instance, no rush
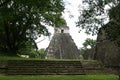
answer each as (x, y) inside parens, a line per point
(62, 45)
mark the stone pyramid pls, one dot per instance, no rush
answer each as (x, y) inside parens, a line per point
(62, 45)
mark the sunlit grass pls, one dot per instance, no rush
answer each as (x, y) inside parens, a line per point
(21, 58)
(61, 77)
(4, 57)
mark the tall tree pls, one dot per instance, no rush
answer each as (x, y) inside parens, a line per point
(113, 27)
(89, 43)
(88, 46)
(23, 21)
(92, 19)
(94, 14)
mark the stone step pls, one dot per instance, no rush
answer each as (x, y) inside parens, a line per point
(45, 73)
(44, 62)
(39, 68)
(35, 67)
(27, 64)
(32, 67)
(45, 70)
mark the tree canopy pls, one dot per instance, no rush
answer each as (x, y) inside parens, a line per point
(95, 13)
(88, 44)
(113, 27)
(24, 21)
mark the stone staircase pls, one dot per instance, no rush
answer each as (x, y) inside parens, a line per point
(44, 67)
(93, 67)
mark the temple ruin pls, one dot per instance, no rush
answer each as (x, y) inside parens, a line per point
(62, 45)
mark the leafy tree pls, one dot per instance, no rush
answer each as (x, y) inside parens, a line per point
(82, 50)
(28, 49)
(91, 18)
(41, 52)
(23, 21)
(88, 44)
(94, 14)
(113, 27)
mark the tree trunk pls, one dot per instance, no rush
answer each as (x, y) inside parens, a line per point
(119, 77)
(11, 48)
(119, 74)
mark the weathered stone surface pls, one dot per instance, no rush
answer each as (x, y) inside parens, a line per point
(52, 67)
(106, 51)
(89, 54)
(3, 66)
(62, 46)
(44, 67)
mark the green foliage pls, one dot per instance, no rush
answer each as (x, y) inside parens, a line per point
(93, 15)
(22, 21)
(41, 52)
(114, 14)
(88, 44)
(28, 49)
(113, 27)
(82, 50)
(63, 77)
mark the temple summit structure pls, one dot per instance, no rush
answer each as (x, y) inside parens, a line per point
(62, 45)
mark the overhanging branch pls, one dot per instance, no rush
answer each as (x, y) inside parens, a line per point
(4, 3)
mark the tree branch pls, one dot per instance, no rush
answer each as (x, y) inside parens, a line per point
(5, 2)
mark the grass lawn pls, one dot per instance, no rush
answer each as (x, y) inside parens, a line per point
(21, 58)
(61, 77)
(17, 58)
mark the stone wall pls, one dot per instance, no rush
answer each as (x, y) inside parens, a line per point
(106, 51)
(52, 67)
(3, 66)
(89, 54)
